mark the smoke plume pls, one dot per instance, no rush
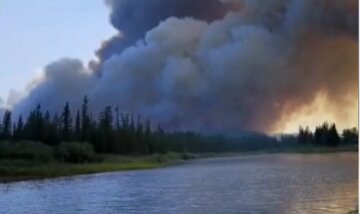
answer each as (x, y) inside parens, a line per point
(215, 65)
(134, 18)
(2, 103)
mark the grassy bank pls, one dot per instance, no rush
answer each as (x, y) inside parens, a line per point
(19, 169)
(16, 169)
(309, 149)
(301, 149)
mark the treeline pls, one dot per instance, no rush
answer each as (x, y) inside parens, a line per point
(110, 132)
(117, 133)
(327, 135)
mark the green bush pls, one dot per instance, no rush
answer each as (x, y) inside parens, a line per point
(75, 152)
(26, 150)
(187, 156)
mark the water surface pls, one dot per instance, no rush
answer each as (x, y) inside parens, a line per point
(281, 183)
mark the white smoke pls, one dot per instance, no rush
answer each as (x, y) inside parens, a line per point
(66, 80)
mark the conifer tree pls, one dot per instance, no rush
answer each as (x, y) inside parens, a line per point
(105, 129)
(350, 136)
(39, 124)
(66, 122)
(85, 120)
(333, 138)
(77, 127)
(18, 132)
(7, 125)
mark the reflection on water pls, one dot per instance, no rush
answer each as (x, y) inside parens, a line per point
(284, 183)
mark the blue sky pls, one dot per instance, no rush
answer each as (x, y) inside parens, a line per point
(36, 32)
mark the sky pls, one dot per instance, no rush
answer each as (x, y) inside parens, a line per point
(41, 31)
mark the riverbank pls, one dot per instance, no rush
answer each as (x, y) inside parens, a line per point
(12, 170)
(17, 169)
(310, 149)
(301, 149)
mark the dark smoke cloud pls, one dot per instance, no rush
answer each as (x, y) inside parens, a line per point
(133, 18)
(235, 65)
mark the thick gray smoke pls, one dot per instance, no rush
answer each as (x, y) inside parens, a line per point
(134, 18)
(2, 103)
(211, 65)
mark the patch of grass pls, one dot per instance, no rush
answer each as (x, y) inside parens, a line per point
(354, 212)
(21, 165)
(17, 169)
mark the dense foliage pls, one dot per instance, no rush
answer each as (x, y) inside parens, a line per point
(75, 152)
(112, 132)
(26, 150)
(327, 135)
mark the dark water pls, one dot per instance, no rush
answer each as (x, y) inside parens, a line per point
(284, 183)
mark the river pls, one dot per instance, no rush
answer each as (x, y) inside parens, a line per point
(279, 183)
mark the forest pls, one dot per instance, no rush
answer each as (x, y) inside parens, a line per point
(77, 137)
(327, 135)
